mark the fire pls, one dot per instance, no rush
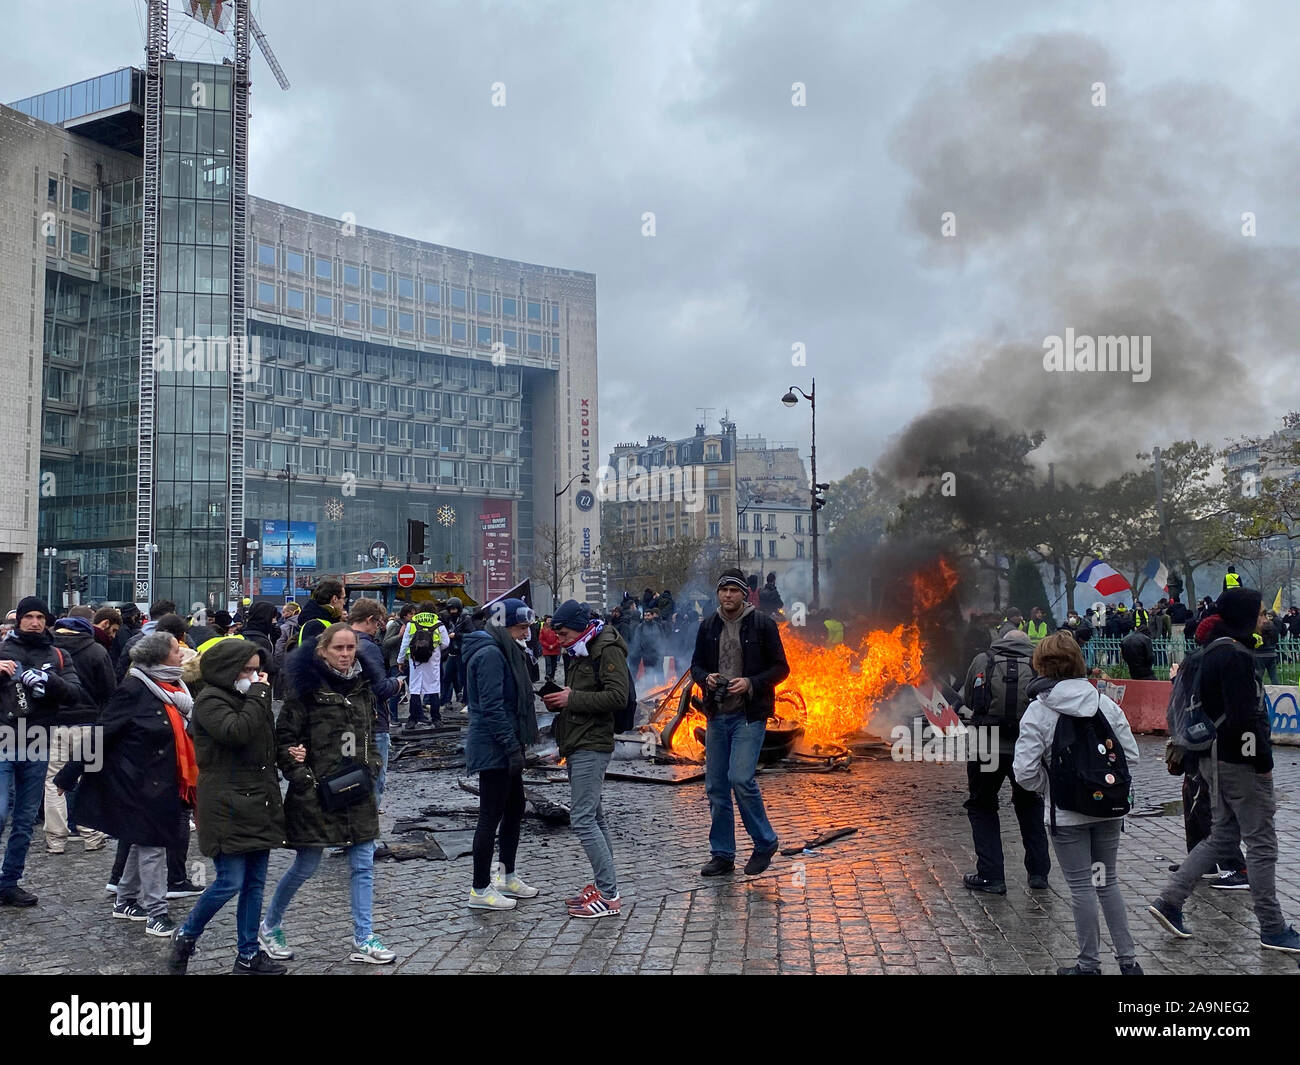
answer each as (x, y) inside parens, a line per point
(831, 691)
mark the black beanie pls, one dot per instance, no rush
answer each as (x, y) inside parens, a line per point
(1239, 610)
(733, 577)
(28, 603)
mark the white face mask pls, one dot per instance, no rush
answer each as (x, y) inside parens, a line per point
(523, 644)
(242, 685)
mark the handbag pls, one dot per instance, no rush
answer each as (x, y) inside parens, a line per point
(348, 785)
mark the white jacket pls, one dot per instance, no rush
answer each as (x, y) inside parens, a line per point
(1077, 698)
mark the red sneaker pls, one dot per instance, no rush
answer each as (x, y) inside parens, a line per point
(597, 906)
(582, 896)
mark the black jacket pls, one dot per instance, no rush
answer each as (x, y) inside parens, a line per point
(134, 796)
(382, 685)
(94, 670)
(313, 620)
(763, 659)
(120, 641)
(63, 689)
(263, 641)
(1229, 685)
(1139, 655)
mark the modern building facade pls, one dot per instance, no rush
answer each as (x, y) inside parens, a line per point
(384, 378)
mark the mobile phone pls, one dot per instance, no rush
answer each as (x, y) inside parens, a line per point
(549, 688)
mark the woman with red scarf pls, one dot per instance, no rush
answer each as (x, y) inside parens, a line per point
(148, 776)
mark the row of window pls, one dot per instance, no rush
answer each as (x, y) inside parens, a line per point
(407, 469)
(344, 391)
(62, 239)
(757, 551)
(771, 523)
(79, 198)
(363, 429)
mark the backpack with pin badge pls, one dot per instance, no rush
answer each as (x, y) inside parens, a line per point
(1088, 770)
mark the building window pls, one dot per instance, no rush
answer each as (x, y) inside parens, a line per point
(81, 199)
(771, 549)
(459, 332)
(405, 322)
(711, 453)
(433, 293)
(291, 383)
(771, 522)
(293, 299)
(325, 269)
(509, 307)
(715, 530)
(713, 504)
(535, 342)
(798, 549)
(798, 523)
(352, 276)
(324, 307)
(266, 255)
(758, 548)
(406, 288)
(711, 479)
(555, 314)
(294, 262)
(78, 242)
(378, 281)
(654, 535)
(266, 294)
(510, 338)
(534, 311)
(744, 523)
(458, 298)
(433, 328)
(483, 334)
(52, 190)
(483, 302)
(379, 318)
(744, 549)
(352, 313)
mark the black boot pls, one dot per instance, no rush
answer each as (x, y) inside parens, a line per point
(260, 964)
(718, 867)
(183, 948)
(975, 882)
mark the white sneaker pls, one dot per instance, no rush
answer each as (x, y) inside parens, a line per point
(490, 899)
(273, 944)
(371, 951)
(513, 887)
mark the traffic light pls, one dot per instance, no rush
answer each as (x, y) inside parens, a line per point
(819, 501)
(83, 584)
(415, 541)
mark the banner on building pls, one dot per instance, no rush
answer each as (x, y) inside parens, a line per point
(497, 552)
(276, 540)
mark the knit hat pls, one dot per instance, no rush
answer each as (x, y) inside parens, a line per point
(734, 578)
(572, 615)
(28, 603)
(1238, 610)
(70, 624)
(512, 612)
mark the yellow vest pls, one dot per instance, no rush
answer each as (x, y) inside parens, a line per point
(834, 632)
(1231, 580)
(215, 639)
(1037, 630)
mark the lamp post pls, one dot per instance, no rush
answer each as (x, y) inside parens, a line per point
(288, 479)
(51, 553)
(790, 399)
(555, 537)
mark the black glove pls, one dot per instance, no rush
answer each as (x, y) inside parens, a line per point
(515, 763)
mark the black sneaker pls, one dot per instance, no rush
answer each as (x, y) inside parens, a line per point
(758, 861)
(975, 882)
(129, 910)
(1074, 970)
(718, 867)
(1038, 883)
(1170, 917)
(162, 926)
(1231, 882)
(258, 965)
(183, 948)
(184, 890)
(16, 896)
(1131, 969)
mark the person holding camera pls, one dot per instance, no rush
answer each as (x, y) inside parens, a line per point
(239, 815)
(738, 662)
(326, 750)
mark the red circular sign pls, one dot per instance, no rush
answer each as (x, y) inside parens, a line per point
(406, 576)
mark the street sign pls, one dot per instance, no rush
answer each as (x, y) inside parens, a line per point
(406, 576)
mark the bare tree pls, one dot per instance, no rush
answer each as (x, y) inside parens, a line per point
(557, 559)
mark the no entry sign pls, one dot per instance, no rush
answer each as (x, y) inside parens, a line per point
(406, 576)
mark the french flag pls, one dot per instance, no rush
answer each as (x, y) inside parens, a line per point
(1100, 576)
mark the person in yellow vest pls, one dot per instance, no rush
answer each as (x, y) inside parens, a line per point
(221, 622)
(1231, 579)
(834, 632)
(1141, 618)
(420, 655)
(1036, 628)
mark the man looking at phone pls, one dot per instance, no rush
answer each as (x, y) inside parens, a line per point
(738, 662)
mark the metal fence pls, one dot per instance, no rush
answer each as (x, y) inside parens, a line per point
(1104, 652)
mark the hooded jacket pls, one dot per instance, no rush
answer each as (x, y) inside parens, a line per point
(239, 807)
(312, 621)
(1139, 654)
(598, 684)
(502, 718)
(1013, 644)
(75, 637)
(1076, 698)
(330, 716)
(762, 658)
(1230, 686)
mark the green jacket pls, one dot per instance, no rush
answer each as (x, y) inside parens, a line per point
(239, 808)
(329, 722)
(587, 723)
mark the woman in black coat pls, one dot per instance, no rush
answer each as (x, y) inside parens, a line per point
(327, 726)
(147, 779)
(240, 817)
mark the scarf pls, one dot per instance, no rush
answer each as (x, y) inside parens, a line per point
(353, 672)
(515, 662)
(173, 694)
(579, 646)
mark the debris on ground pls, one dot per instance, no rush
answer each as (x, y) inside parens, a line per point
(819, 841)
(426, 848)
(553, 813)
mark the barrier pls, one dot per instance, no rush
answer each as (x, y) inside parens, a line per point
(1144, 702)
(1283, 703)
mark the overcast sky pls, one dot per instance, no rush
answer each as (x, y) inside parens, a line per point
(776, 224)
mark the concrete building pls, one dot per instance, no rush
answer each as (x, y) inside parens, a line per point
(386, 378)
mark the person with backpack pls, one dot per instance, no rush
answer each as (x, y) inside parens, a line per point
(423, 642)
(996, 693)
(1218, 708)
(738, 662)
(597, 684)
(502, 722)
(1075, 748)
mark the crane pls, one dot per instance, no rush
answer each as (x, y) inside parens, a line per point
(264, 46)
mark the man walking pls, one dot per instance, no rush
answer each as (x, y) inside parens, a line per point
(1233, 698)
(738, 662)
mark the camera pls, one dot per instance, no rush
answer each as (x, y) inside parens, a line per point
(719, 694)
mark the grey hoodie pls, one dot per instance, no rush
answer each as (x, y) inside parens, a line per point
(1077, 698)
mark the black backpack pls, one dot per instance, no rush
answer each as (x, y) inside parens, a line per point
(422, 644)
(1001, 692)
(1087, 768)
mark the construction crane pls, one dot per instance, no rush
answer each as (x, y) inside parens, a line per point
(264, 47)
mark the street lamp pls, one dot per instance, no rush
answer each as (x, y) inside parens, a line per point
(555, 537)
(790, 400)
(51, 553)
(288, 479)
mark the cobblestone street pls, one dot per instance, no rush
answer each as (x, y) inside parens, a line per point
(886, 900)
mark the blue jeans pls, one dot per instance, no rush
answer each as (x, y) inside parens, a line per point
(587, 816)
(382, 743)
(28, 782)
(731, 756)
(237, 874)
(361, 860)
